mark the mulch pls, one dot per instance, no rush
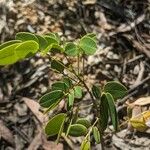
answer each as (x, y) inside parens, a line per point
(122, 29)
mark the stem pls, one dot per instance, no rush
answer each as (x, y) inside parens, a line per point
(91, 128)
(96, 108)
(78, 64)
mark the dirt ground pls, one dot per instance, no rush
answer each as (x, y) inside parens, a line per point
(123, 31)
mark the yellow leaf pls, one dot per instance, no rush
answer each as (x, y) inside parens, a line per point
(141, 122)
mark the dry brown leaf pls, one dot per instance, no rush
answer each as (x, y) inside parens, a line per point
(34, 107)
(6, 134)
(40, 139)
(142, 101)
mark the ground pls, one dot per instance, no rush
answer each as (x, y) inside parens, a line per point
(122, 29)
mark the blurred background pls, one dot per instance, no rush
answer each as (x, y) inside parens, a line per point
(123, 32)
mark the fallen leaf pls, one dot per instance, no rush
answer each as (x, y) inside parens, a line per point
(34, 107)
(141, 122)
(6, 134)
(142, 101)
(40, 140)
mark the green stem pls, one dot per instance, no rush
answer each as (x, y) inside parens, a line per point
(91, 128)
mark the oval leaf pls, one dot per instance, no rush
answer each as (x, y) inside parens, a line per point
(116, 89)
(51, 98)
(54, 36)
(92, 35)
(96, 134)
(96, 91)
(85, 145)
(26, 48)
(42, 42)
(71, 49)
(57, 65)
(51, 40)
(78, 91)
(8, 55)
(9, 43)
(88, 45)
(112, 111)
(25, 36)
(70, 101)
(59, 86)
(68, 82)
(104, 108)
(84, 122)
(77, 130)
(55, 124)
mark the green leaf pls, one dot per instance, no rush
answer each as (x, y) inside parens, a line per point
(71, 49)
(92, 35)
(70, 101)
(96, 134)
(78, 91)
(68, 82)
(56, 48)
(25, 36)
(77, 130)
(116, 89)
(96, 92)
(60, 86)
(51, 98)
(88, 45)
(85, 145)
(104, 108)
(54, 36)
(42, 42)
(26, 48)
(57, 65)
(84, 122)
(8, 55)
(55, 124)
(9, 43)
(51, 40)
(112, 110)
